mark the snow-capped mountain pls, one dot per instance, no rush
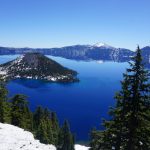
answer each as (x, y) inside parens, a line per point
(102, 45)
(98, 51)
(15, 138)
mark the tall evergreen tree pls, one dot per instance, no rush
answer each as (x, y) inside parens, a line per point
(129, 127)
(66, 139)
(41, 133)
(20, 113)
(55, 127)
(4, 105)
(49, 129)
(43, 126)
(37, 117)
(138, 114)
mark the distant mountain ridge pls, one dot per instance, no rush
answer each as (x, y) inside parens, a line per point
(99, 51)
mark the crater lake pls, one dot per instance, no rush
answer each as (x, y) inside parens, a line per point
(83, 103)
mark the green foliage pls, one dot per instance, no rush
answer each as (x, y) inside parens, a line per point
(129, 127)
(66, 139)
(4, 105)
(43, 125)
(21, 116)
(37, 117)
(55, 127)
(97, 140)
(47, 130)
(42, 133)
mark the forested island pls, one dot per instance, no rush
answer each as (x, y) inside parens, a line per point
(37, 66)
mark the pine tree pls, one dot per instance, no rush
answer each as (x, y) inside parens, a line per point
(66, 139)
(49, 129)
(138, 114)
(43, 127)
(55, 127)
(37, 117)
(41, 133)
(4, 105)
(51, 139)
(20, 113)
(129, 127)
(97, 140)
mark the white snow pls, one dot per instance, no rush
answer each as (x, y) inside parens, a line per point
(18, 60)
(80, 147)
(102, 45)
(28, 77)
(56, 78)
(15, 138)
(99, 44)
(17, 76)
(2, 72)
(53, 79)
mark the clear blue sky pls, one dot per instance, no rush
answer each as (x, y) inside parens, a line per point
(56, 23)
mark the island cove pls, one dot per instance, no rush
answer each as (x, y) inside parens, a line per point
(36, 66)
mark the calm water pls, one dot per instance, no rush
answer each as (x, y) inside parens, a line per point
(83, 103)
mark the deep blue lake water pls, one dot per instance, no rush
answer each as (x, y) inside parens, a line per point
(83, 104)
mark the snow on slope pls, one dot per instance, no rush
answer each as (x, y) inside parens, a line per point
(80, 147)
(103, 45)
(14, 138)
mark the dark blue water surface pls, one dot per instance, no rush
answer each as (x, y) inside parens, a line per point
(83, 103)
